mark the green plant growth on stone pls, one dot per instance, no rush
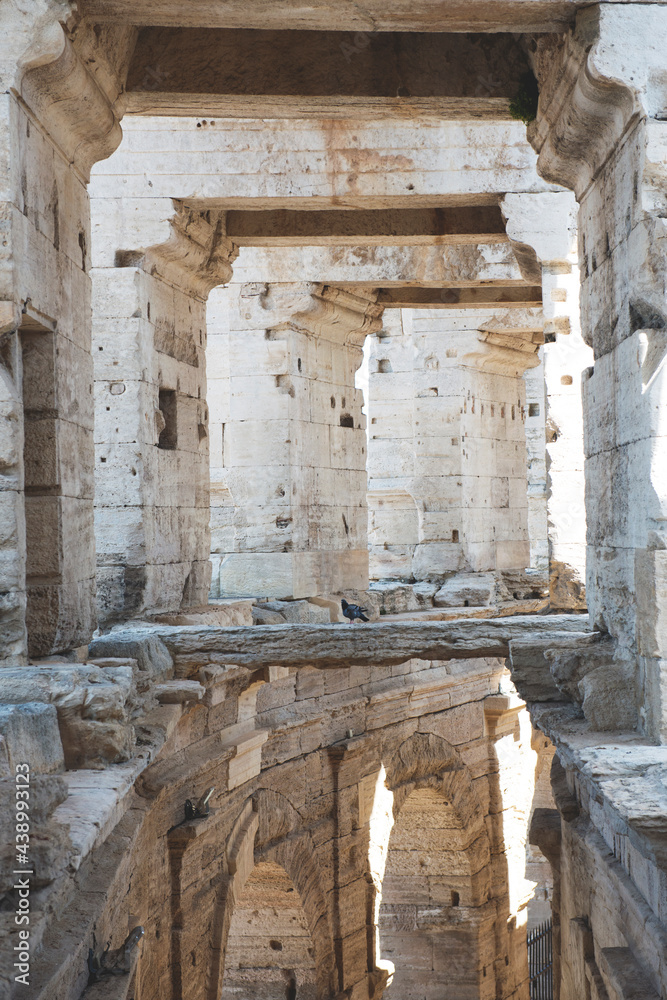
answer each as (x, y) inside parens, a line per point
(523, 105)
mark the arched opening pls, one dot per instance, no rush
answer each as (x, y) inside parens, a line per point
(435, 923)
(270, 953)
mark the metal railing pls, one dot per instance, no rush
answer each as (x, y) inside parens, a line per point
(540, 962)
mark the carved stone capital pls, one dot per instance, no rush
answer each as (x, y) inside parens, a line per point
(68, 76)
(324, 310)
(196, 254)
(509, 342)
(595, 83)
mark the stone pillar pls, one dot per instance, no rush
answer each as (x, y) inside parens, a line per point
(56, 119)
(151, 416)
(447, 454)
(288, 440)
(600, 132)
(544, 225)
(511, 787)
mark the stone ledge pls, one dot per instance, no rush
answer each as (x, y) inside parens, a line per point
(374, 644)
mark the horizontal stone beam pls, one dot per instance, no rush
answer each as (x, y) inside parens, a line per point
(209, 162)
(512, 297)
(342, 15)
(464, 109)
(456, 266)
(375, 644)
(377, 227)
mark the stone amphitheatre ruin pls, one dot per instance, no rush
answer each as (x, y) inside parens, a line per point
(303, 301)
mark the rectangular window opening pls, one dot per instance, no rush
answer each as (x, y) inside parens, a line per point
(168, 438)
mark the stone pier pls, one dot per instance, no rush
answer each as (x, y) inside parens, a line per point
(447, 451)
(288, 440)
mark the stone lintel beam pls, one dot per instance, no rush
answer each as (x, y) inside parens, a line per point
(376, 644)
(510, 297)
(327, 15)
(375, 227)
(443, 267)
(362, 109)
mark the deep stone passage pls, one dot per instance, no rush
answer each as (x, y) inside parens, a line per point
(303, 303)
(269, 951)
(435, 885)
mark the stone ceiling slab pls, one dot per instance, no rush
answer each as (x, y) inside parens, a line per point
(510, 297)
(277, 74)
(377, 227)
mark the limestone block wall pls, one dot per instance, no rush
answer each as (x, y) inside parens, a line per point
(56, 120)
(312, 769)
(625, 441)
(288, 448)
(47, 545)
(619, 185)
(566, 360)
(447, 452)
(151, 437)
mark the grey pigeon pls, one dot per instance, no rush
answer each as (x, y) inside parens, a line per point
(353, 611)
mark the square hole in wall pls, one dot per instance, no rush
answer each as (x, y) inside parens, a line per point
(168, 438)
(533, 409)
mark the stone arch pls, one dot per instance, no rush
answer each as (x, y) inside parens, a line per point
(267, 847)
(269, 946)
(432, 908)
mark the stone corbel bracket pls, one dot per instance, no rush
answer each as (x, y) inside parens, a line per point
(509, 342)
(323, 310)
(70, 100)
(608, 74)
(197, 255)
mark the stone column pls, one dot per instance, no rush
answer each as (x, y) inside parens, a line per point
(600, 132)
(151, 416)
(543, 229)
(447, 454)
(288, 440)
(56, 119)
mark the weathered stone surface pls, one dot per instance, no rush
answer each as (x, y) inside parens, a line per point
(220, 613)
(48, 840)
(31, 736)
(149, 652)
(179, 692)
(93, 706)
(466, 589)
(408, 765)
(330, 646)
(294, 612)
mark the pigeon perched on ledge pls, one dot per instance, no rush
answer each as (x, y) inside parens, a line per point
(353, 611)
